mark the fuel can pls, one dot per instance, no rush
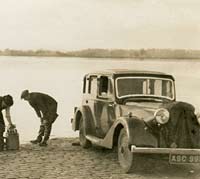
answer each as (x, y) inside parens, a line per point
(12, 139)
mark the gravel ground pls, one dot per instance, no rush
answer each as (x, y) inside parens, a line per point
(63, 160)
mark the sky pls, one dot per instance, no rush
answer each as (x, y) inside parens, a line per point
(80, 24)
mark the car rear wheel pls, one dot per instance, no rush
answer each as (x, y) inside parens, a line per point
(82, 135)
(125, 156)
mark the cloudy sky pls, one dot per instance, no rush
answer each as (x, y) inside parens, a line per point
(80, 24)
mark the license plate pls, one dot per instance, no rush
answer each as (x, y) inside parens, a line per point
(183, 159)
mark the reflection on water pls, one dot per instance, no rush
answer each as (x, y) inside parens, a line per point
(62, 79)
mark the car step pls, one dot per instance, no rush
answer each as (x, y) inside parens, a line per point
(95, 140)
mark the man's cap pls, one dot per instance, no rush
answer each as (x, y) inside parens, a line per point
(24, 94)
(8, 100)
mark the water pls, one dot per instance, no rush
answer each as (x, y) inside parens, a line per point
(62, 79)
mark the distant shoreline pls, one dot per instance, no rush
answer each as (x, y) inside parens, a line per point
(179, 54)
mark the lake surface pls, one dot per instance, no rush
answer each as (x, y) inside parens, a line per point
(62, 79)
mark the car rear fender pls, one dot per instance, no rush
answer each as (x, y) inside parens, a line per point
(85, 113)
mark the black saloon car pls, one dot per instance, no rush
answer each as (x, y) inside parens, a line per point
(137, 111)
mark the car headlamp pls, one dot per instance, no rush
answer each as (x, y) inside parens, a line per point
(197, 113)
(161, 116)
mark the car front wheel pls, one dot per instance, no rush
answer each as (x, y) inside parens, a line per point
(82, 135)
(125, 156)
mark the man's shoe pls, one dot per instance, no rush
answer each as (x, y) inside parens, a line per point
(35, 141)
(43, 144)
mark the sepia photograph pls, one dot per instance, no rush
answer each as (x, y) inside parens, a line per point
(100, 89)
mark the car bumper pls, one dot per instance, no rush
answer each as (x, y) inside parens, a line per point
(149, 150)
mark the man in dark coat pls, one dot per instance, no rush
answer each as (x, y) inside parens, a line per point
(5, 103)
(46, 109)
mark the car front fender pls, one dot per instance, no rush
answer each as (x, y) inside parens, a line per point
(138, 133)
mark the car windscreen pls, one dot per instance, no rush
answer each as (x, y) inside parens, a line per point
(144, 86)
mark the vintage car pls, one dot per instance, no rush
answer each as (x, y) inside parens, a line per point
(137, 111)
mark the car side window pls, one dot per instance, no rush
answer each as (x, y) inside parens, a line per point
(92, 86)
(105, 86)
(84, 84)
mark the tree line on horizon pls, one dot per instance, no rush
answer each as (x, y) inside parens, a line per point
(109, 53)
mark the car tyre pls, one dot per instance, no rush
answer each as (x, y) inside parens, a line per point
(125, 156)
(82, 135)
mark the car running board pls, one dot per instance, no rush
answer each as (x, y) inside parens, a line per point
(98, 141)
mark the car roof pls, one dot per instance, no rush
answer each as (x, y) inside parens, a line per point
(122, 72)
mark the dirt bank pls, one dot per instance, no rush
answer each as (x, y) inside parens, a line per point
(63, 160)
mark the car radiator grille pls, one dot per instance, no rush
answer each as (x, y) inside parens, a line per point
(182, 130)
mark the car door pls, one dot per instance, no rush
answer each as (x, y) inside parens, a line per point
(104, 105)
(90, 101)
